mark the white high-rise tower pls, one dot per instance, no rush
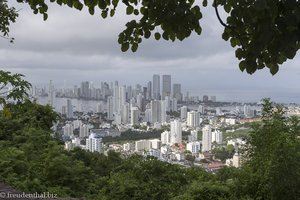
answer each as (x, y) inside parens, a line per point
(176, 132)
(206, 138)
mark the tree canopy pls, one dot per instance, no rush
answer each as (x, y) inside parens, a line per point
(264, 33)
(12, 87)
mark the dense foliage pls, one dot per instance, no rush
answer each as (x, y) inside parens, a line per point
(12, 87)
(133, 135)
(265, 33)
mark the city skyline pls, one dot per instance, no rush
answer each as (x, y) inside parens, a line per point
(226, 96)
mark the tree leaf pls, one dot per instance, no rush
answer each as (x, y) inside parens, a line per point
(125, 46)
(134, 47)
(274, 69)
(129, 10)
(157, 36)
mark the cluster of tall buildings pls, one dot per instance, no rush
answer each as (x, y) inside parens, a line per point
(125, 104)
(174, 136)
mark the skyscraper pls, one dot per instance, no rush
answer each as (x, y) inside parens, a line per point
(122, 97)
(119, 98)
(129, 92)
(206, 138)
(155, 111)
(183, 113)
(177, 91)
(176, 132)
(85, 90)
(193, 119)
(125, 113)
(139, 101)
(83, 130)
(110, 110)
(156, 87)
(201, 109)
(134, 115)
(116, 99)
(173, 104)
(166, 86)
(149, 90)
(163, 111)
(69, 109)
(217, 136)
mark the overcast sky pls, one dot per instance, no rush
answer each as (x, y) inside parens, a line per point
(73, 46)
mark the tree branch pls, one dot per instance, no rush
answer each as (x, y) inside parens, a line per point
(218, 15)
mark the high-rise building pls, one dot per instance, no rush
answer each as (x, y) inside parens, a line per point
(110, 111)
(149, 90)
(176, 132)
(148, 115)
(139, 101)
(206, 138)
(177, 91)
(69, 109)
(134, 116)
(119, 98)
(83, 130)
(155, 111)
(201, 109)
(116, 99)
(122, 96)
(183, 112)
(163, 111)
(125, 113)
(165, 137)
(247, 111)
(193, 119)
(173, 104)
(205, 98)
(76, 123)
(68, 129)
(94, 143)
(85, 90)
(166, 86)
(167, 103)
(217, 136)
(129, 92)
(156, 87)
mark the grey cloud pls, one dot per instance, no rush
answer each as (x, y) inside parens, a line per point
(75, 46)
